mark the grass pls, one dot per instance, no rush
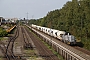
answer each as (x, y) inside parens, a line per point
(3, 38)
(28, 51)
(35, 58)
(0, 58)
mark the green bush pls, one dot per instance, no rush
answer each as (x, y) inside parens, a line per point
(3, 32)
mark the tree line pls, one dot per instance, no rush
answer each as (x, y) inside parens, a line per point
(73, 17)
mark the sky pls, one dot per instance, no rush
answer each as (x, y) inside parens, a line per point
(35, 8)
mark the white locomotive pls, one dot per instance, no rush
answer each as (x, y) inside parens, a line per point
(61, 35)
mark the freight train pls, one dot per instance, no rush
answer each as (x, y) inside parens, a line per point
(65, 37)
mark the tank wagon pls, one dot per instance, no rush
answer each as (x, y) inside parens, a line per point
(65, 37)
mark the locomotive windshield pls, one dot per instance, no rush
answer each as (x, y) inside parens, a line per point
(67, 33)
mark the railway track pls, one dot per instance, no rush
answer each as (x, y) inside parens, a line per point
(3, 49)
(82, 49)
(9, 49)
(27, 43)
(42, 49)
